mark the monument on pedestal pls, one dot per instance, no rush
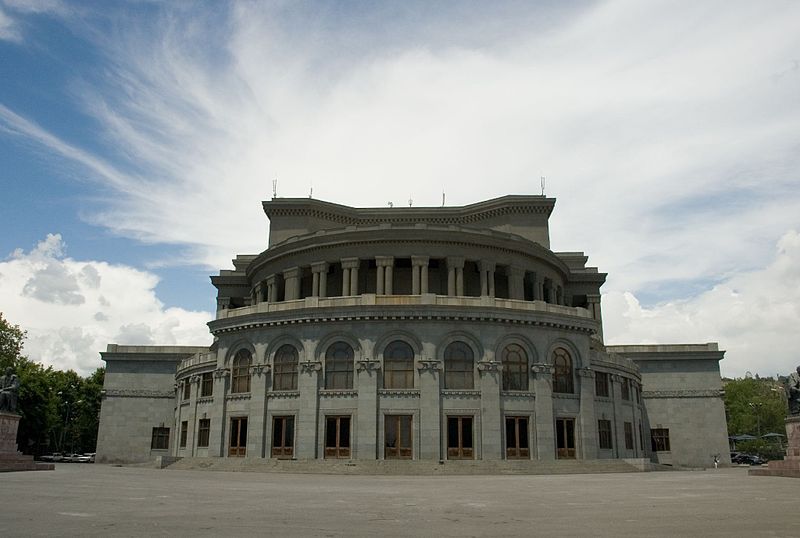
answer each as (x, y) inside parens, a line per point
(790, 465)
(10, 458)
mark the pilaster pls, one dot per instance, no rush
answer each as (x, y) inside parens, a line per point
(319, 286)
(291, 283)
(256, 422)
(216, 437)
(419, 280)
(543, 411)
(455, 275)
(489, 371)
(367, 373)
(307, 416)
(588, 420)
(430, 446)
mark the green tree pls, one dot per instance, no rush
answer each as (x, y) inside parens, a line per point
(11, 339)
(755, 406)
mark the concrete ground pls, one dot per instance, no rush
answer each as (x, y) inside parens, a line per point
(100, 500)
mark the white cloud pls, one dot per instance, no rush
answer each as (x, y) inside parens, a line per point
(754, 315)
(72, 309)
(10, 27)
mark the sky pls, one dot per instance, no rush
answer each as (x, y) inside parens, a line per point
(138, 138)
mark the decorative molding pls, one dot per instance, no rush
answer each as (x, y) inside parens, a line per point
(205, 400)
(222, 372)
(543, 369)
(139, 393)
(399, 393)
(238, 396)
(490, 366)
(461, 393)
(309, 367)
(283, 394)
(517, 394)
(338, 393)
(195, 379)
(368, 365)
(565, 396)
(429, 365)
(699, 393)
(260, 368)
(585, 372)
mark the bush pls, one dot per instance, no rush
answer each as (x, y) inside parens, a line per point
(769, 450)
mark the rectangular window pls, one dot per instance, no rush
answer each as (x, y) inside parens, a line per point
(337, 437)
(517, 446)
(187, 390)
(459, 438)
(283, 437)
(601, 384)
(203, 430)
(629, 435)
(641, 437)
(626, 389)
(565, 438)
(397, 437)
(160, 440)
(184, 433)
(207, 384)
(659, 439)
(638, 391)
(604, 433)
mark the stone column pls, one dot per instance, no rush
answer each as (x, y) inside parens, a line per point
(593, 305)
(638, 451)
(430, 437)
(385, 274)
(368, 372)
(191, 415)
(619, 428)
(543, 409)
(516, 282)
(350, 276)
(489, 371)
(588, 420)
(307, 415)
(256, 421)
(486, 268)
(419, 282)
(455, 275)
(291, 283)
(319, 285)
(217, 445)
(259, 292)
(272, 288)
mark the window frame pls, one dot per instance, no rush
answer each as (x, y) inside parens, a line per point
(240, 371)
(515, 370)
(203, 432)
(462, 378)
(285, 366)
(206, 384)
(339, 371)
(184, 434)
(659, 439)
(605, 437)
(629, 443)
(394, 377)
(601, 384)
(160, 436)
(563, 372)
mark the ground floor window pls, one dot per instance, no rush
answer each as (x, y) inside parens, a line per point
(604, 434)
(238, 439)
(629, 435)
(397, 437)
(184, 433)
(659, 438)
(565, 438)
(203, 430)
(160, 439)
(459, 438)
(517, 445)
(337, 437)
(283, 437)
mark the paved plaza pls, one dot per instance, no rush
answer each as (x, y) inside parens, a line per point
(100, 500)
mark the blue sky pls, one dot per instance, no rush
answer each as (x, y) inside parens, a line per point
(138, 138)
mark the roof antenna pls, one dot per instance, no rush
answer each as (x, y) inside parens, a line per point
(410, 201)
(391, 204)
(542, 179)
(442, 197)
(311, 192)
(274, 188)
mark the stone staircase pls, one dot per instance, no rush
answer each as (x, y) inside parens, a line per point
(417, 467)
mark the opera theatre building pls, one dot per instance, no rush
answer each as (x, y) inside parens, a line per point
(417, 333)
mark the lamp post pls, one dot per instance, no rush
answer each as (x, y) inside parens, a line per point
(756, 407)
(66, 418)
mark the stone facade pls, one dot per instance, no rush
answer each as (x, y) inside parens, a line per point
(412, 333)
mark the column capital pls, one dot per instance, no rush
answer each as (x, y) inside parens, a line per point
(490, 366)
(515, 271)
(309, 367)
(384, 261)
(455, 261)
(429, 365)
(368, 365)
(585, 372)
(319, 267)
(487, 265)
(592, 297)
(420, 260)
(350, 263)
(292, 272)
(270, 280)
(541, 369)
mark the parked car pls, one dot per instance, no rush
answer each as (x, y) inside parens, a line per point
(748, 459)
(83, 458)
(57, 456)
(91, 456)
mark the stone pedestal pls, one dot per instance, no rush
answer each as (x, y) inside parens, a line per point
(10, 458)
(790, 465)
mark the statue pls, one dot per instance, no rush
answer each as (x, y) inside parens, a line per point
(9, 387)
(793, 392)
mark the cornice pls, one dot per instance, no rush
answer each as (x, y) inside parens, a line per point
(699, 393)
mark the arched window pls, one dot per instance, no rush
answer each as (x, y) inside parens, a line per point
(562, 377)
(339, 366)
(240, 372)
(459, 361)
(284, 368)
(515, 368)
(398, 366)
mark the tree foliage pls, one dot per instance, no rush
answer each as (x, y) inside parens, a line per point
(60, 410)
(755, 406)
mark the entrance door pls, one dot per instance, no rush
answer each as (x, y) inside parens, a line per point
(517, 446)
(283, 437)
(337, 437)
(459, 438)
(565, 438)
(238, 444)
(397, 437)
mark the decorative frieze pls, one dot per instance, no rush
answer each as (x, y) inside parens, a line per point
(517, 394)
(399, 393)
(461, 393)
(541, 369)
(338, 393)
(429, 365)
(238, 396)
(283, 394)
(309, 367)
(222, 372)
(261, 368)
(585, 372)
(368, 365)
(138, 393)
(700, 393)
(490, 366)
